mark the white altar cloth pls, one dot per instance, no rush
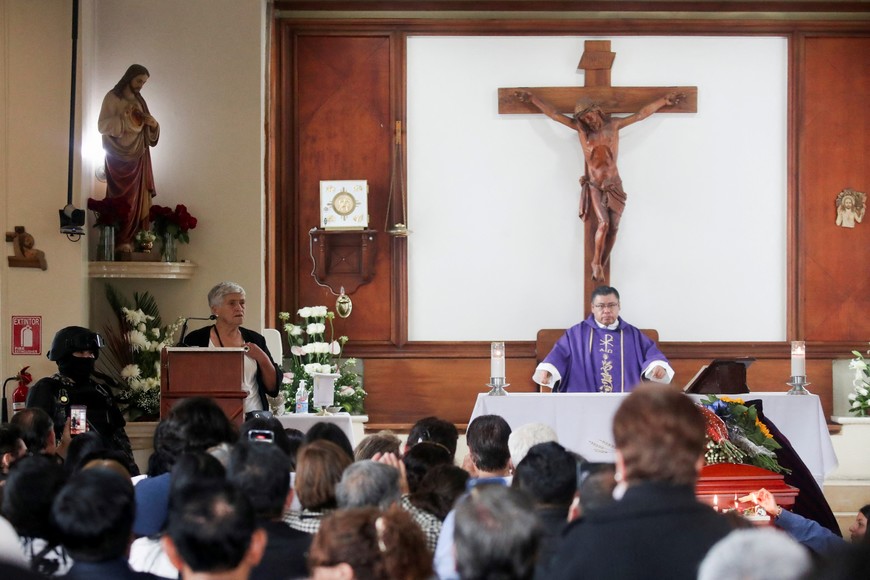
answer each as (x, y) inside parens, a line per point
(306, 421)
(583, 421)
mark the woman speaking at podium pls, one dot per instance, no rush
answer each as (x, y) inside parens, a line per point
(227, 303)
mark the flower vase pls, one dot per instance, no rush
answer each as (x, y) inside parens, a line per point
(106, 244)
(169, 253)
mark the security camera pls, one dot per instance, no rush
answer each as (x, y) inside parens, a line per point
(72, 221)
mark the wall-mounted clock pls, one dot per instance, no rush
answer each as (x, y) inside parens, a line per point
(344, 204)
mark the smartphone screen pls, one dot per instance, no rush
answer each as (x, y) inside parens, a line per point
(261, 435)
(78, 421)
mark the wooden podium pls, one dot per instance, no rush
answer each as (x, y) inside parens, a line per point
(203, 372)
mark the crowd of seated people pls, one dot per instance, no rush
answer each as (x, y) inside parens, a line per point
(267, 503)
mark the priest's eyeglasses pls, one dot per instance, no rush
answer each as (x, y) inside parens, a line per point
(608, 306)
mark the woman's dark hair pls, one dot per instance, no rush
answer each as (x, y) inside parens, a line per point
(318, 469)
(330, 432)
(30, 488)
(422, 457)
(295, 438)
(439, 489)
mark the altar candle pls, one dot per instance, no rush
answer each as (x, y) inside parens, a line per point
(735, 501)
(798, 358)
(716, 503)
(496, 365)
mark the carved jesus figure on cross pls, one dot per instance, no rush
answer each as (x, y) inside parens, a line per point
(601, 186)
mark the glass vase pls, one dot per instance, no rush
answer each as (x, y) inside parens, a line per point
(106, 244)
(169, 252)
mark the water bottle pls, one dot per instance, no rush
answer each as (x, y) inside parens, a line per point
(301, 398)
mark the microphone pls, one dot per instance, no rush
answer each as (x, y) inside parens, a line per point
(184, 327)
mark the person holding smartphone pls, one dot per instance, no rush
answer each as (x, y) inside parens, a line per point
(76, 395)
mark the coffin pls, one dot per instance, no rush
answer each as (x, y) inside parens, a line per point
(730, 481)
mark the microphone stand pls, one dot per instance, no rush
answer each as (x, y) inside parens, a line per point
(183, 330)
(4, 417)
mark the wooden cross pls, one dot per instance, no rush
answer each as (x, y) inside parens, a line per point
(596, 62)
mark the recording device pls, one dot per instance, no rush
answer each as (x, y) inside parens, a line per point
(78, 420)
(261, 435)
(184, 327)
(72, 221)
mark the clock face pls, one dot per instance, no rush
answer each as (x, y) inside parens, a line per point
(343, 203)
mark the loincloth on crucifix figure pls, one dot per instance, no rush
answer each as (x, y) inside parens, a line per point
(607, 200)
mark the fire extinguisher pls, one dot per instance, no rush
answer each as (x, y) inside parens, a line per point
(19, 396)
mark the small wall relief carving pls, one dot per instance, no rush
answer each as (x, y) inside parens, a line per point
(851, 206)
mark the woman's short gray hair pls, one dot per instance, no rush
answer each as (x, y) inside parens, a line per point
(216, 295)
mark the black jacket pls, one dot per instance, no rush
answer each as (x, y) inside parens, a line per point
(200, 337)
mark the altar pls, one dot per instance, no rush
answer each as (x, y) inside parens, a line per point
(583, 421)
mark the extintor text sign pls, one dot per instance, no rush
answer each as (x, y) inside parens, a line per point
(27, 335)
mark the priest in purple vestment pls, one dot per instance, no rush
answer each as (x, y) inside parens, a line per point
(603, 353)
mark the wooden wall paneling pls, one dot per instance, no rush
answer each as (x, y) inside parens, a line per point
(344, 130)
(319, 129)
(834, 149)
(402, 390)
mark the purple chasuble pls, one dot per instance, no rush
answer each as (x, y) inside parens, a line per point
(593, 359)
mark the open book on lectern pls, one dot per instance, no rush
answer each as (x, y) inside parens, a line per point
(722, 376)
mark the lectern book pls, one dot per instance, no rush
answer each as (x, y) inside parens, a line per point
(721, 376)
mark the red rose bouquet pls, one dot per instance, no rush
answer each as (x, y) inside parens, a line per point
(175, 223)
(109, 212)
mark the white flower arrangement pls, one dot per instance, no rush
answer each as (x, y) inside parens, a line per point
(859, 399)
(146, 339)
(131, 361)
(312, 353)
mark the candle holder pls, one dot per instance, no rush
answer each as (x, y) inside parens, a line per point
(798, 384)
(496, 370)
(798, 368)
(497, 386)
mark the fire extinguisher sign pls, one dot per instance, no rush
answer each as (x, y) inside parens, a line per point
(27, 335)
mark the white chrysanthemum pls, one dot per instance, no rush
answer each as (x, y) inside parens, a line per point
(297, 331)
(155, 332)
(311, 368)
(308, 348)
(130, 371)
(305, 312)
(319, 311)
(326, 369)
(136, 339)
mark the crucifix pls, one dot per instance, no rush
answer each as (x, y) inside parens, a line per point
(589, 110)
